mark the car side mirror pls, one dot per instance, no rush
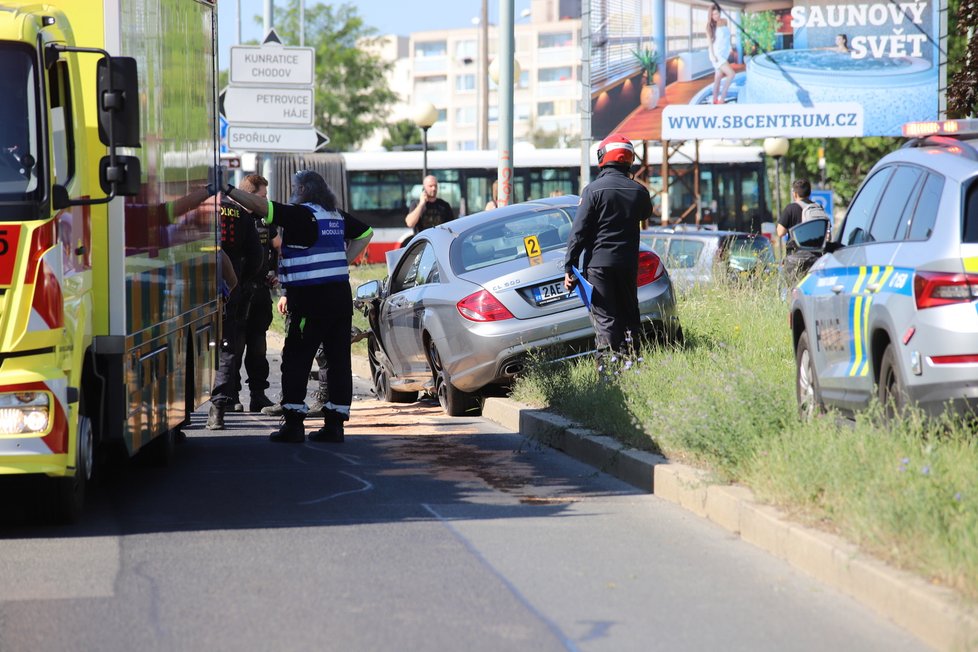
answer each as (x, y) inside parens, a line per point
(368, 291)
(810, 235)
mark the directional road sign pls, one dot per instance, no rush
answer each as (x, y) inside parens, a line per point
(272, 64)
(276, 139)
(268, 106)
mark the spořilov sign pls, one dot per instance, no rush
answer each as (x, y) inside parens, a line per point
(827, 58)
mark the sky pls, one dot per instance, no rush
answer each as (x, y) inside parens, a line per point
(388, 16)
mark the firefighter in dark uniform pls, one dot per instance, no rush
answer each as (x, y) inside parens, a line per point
(606, 230)
(314, 271)
(239, 240)
(250, 346)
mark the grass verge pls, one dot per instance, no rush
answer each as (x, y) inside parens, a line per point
(906, 491)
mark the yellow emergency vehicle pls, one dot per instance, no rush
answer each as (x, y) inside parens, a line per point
(109, 306)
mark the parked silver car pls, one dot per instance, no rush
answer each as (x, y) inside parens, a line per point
(697, 257)
(889, 309)
(467, 301)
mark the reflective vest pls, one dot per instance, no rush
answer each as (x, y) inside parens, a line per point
(324, 261)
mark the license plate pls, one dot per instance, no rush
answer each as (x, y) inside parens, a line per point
(551, 292)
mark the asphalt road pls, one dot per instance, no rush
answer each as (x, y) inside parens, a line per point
(421, 532)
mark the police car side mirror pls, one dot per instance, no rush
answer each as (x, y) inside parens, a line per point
(811, 235)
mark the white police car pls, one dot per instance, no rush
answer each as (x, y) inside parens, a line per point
(891, 308)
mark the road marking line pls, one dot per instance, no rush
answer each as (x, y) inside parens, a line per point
(366, 487)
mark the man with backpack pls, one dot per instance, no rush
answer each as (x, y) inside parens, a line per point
(801, 209)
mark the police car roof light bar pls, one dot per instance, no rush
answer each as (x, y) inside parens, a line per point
(956, 128)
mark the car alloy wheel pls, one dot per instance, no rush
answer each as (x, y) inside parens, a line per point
(806, 383)
(454, 401)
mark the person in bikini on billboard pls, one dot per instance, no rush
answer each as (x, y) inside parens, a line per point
(718, 32)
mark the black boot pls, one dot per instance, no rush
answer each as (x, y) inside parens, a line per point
(215, 418)
(332, 430)
(259, 402)
(292, 430)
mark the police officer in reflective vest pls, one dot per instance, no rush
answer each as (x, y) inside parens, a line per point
(314, 271)
(606, 230)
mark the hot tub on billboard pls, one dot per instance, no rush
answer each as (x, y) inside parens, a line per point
(892, 91)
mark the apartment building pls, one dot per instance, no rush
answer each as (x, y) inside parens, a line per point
(442, 67)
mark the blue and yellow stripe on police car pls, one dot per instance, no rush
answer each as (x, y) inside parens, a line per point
(859, 307)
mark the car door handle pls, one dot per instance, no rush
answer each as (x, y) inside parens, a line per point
(838, 288)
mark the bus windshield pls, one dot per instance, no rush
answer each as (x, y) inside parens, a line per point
(18, 124)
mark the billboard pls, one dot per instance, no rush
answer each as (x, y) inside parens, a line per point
(760, 68)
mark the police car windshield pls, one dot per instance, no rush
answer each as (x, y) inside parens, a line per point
(18, 124)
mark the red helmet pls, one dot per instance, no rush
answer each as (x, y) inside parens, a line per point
(615, 149)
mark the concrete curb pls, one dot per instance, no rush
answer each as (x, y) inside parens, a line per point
(935, 615)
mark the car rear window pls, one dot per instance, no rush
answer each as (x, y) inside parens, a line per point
(501, 239)
(971, 213)
(683, 253)
(754, 247)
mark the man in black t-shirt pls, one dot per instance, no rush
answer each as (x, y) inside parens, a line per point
(801, 192)
(429, 210)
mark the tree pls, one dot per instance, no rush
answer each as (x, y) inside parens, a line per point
(848, 160)
(352, 98)
(962, 45)
(401, 135)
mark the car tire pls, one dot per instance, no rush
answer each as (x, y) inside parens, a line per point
(891, 390)
(381, 378)
(806, 380)
(454, 401)
(382, 386)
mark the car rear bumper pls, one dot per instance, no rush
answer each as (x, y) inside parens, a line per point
(494, 352)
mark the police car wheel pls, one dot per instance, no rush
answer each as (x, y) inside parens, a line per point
(890, 390)
(806, 381)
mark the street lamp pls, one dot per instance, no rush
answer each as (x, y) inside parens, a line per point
(425, 115)
(776, 148)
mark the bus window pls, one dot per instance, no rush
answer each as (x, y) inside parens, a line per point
(370, 191)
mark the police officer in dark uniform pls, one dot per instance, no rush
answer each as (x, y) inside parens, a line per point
(239, 240)
(606, 230)
(314, 271)
(250, 344)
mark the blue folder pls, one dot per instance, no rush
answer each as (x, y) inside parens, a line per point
(584, 289)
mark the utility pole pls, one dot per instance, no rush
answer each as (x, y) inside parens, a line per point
(504, 146)
(484, 77)
(266, 165)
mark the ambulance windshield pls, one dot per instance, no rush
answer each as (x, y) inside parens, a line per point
(18, 124)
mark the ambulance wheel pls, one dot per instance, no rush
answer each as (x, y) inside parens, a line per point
(70, 491)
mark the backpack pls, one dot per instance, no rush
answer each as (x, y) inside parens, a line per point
(812, 211)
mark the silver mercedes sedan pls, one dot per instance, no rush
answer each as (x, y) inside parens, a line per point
(466, 302)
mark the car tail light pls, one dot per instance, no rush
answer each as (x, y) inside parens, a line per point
(932, 289)
(650, 268)
(482, 306)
